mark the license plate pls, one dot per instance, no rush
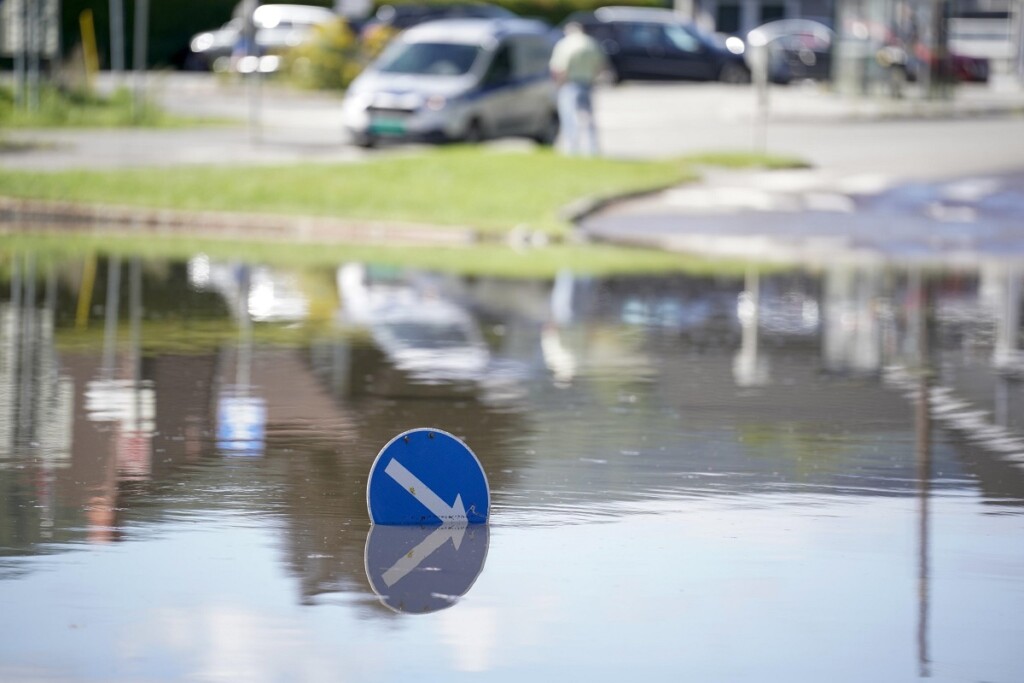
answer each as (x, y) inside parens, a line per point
(388, 127)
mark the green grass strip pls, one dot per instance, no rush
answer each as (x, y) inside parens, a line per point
(485, 189)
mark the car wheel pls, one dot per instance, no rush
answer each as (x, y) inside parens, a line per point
(474, 132)
(734, 73)
(365, 140)
(549, 132)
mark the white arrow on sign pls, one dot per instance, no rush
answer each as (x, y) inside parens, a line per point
(454, 513)
(406, 563)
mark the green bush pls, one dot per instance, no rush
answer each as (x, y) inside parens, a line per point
(79, 108)
(328, 61)
(335, 55)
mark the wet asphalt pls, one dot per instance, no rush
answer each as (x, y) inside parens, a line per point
(959, 221)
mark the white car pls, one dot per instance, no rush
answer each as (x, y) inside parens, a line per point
(457, 79)
(278, 28)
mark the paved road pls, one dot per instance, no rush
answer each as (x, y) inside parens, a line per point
(843, 139)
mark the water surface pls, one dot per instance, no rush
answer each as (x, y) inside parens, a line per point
(797, 476)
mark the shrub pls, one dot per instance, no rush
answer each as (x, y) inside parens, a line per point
(328, 61)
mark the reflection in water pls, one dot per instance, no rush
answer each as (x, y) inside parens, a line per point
(416, 569)
(853, 406)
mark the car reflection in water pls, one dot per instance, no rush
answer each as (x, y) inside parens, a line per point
(260, 293)
(422, 333)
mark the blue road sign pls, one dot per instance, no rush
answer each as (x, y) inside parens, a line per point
(420, 569)
(427, 476)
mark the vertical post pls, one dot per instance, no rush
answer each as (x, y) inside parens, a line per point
(117, 39)
(20, 13)
(90, 54)
(1020, 40)
(758, 59)
(141, 48)
(34, 45)
(251, 72)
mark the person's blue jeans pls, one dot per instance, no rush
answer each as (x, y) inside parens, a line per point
(576, 118)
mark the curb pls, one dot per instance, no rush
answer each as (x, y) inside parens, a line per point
(581, 209)
(52, 215)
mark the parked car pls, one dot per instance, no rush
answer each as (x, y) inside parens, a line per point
(457, 79)
(798, 49)
(400, 17)
(652, 43)
(278, 27)
(969, 69)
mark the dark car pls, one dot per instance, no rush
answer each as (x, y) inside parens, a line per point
(655, 44)
(396, 18)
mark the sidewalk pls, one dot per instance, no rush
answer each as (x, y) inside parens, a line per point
(907, 181)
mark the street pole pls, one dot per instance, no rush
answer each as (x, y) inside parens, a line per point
(253, 78)
(141, 48)
(20, 51)
(117, 38)
(34, 45)
(1020, 41)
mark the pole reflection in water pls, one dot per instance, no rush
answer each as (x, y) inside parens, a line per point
(749, 368)
(111, 313)
(921, 328)
(241, 415)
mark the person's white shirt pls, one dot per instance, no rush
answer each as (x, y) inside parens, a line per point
(576, 57)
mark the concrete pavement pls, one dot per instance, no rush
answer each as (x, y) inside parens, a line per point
(898, 181)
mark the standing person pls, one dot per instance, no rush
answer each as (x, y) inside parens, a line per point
(576, 62)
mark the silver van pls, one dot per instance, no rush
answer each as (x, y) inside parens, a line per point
(457, 79)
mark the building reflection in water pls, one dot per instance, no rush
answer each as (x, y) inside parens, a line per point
(36, 400)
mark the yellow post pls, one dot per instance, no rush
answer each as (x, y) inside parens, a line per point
(90, 53)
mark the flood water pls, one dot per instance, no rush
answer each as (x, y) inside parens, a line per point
(761, 476)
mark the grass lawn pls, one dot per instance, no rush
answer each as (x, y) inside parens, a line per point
(488, 190)
(491, 191)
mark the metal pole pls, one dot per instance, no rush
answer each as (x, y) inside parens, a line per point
(1020, 40)
(20, 51)
(117, 38)
(141, 48)
(34, 45)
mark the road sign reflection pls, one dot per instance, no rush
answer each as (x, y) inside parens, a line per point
(421, 569)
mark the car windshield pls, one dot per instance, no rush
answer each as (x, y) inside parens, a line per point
(439, 59)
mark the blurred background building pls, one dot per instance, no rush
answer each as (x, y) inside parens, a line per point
(899, 48)
(884, 46)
